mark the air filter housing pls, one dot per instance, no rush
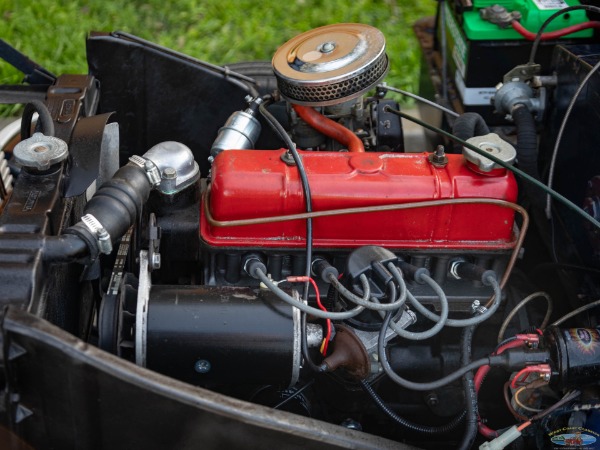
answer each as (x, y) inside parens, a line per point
(330, 64)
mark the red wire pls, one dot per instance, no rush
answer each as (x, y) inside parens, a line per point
(484, 430)
(483, 370)
(540, 368)
(304, 279)
(322, 308)
(553, 34)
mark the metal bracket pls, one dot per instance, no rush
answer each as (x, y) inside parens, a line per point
(522, 72)
(153, 243)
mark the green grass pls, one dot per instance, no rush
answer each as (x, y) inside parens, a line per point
(53, 32)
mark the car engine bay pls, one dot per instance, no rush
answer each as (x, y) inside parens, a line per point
(252, 255)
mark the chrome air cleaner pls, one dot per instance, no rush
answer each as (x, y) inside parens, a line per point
(330, 64)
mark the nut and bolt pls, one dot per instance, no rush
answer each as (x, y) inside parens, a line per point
(202, 366)
(327, 47)
(476, 307)
(438, 158)
(432, 399)
(288, 158)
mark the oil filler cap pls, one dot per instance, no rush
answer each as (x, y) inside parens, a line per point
(495, 146)
(330, 64)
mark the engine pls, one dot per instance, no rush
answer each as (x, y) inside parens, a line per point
(281, 247)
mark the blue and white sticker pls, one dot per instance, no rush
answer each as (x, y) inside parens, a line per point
(550, 4)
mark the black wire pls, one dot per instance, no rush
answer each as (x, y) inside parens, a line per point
(403, 422)
(538, 36)
(304, 345)
(428, 386)
(44, 119)
(276, 126)
(294, 394)
(560, 266)
(444, 51)
(558, 197)
(566, 399)
(472, 410)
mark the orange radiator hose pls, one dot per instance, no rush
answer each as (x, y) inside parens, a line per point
(330, 128)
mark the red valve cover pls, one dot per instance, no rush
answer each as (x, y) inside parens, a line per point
(250, 184)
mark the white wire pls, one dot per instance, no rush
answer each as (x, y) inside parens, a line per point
(560, 134)
(520, 305)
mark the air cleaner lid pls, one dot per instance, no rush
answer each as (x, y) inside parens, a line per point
(330, 64)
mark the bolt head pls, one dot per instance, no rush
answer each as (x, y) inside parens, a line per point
(202, 366)
(156, 261)
(169, 173)
(327, 47)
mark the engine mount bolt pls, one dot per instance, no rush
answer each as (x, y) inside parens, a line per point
(202, 366)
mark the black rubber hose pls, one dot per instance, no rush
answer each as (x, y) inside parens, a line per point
(471, 410)
(64, 248)
(440, 429)
(116, 205)
(527, 152)
(44, 119)
(469, 125)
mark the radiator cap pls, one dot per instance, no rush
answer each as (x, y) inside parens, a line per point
(495, 146)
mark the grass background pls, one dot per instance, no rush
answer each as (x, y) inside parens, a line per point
(53, 32)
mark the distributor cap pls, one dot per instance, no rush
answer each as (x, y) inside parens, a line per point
(330, 64)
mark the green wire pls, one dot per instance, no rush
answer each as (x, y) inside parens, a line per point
(558, 197)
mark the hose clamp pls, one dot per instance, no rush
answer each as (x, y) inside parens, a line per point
(102, 236)
(152, 172)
